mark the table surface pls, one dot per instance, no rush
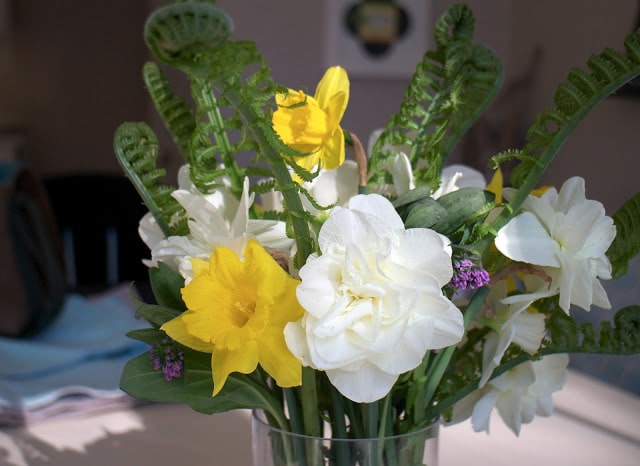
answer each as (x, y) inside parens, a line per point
(593, 424)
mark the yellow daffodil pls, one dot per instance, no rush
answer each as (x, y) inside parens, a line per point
(312, 124)
(236, 310)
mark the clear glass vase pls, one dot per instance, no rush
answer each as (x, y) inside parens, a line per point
(276, 447)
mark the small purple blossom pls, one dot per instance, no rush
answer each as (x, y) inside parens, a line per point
(164, 356)
(468, 276)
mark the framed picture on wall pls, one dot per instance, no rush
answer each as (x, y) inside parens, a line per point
(376, 38)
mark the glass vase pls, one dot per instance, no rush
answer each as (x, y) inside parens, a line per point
(276, 447)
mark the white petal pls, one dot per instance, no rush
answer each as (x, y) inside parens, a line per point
(378, 207)
(571, 194)
(470, 177)
(481, 414)
(525, 239)
(366, 385)
(149, 231)
(335, 186)
(402, 174)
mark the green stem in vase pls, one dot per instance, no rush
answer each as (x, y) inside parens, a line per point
(441, 361)
(338, 428)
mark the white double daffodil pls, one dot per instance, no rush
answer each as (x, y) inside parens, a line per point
(373, 301)
(519, 394)
(566, 235)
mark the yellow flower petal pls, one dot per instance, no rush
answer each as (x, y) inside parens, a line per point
(237, 310)
(335, 81)
(495, 185)
(299, 120)
(312, 124)
(333, 153)
(225, 362)
(177, 330)
(199, 266)
(278, 361)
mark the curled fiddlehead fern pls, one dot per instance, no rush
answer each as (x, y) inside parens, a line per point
(136, 148)
(182, 34)
(450, 89)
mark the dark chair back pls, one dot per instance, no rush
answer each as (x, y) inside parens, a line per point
(98, 217)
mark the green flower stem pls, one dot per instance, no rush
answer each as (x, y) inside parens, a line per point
(310, 415)
(264, 136)
(372, 414)
(419, 404)
(309, 400)
(293, 409)
(207, 97)
(441, 361)
(338, 427)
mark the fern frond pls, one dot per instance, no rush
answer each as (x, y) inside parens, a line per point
(181, 34)
(567, 337)
(626, 244)
(136, 148)
(450, 89)
(176, 114)
(574, 99)
(504, 156)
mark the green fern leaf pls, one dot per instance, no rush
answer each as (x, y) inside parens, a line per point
(626, 244)
(174, 111)
(450, 89)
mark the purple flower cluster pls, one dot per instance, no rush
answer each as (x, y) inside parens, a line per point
(468, 276)
(165, 357)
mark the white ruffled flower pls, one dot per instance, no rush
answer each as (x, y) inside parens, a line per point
(519, 394)
(568, 236)
(215, 219)
(373, 299)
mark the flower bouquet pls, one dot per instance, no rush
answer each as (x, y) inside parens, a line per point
(370, 296)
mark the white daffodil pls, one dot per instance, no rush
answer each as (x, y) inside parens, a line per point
(514, 325)
(519, 394)
(566, 235)
(373, 300)
(215, 219)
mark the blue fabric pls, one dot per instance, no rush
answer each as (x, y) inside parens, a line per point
(82, 352)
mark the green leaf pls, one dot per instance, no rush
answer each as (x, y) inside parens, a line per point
(425, 213)
(154, 314)
(167, 284)
(195, 387)
(147, 335)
